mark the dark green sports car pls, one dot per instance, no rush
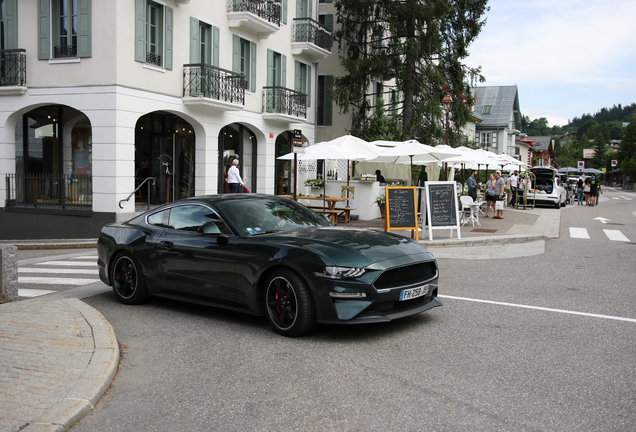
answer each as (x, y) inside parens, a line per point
(267, 255)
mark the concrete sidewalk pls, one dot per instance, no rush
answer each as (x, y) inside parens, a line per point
(58, 357)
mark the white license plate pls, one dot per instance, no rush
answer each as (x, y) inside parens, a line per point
(411, 293)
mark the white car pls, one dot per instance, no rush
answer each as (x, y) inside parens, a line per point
(547, 188)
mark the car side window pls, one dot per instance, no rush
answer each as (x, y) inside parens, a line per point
(159, 219)
(191, 217)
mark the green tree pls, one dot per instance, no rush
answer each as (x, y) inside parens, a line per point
(627, 150)
(600, 152)
(417, 44)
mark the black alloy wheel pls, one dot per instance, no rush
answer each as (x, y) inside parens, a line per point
(289, 305)
(128, 281)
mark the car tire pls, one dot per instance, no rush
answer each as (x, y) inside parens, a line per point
(128, 280)
(557, 205)
(289, 306)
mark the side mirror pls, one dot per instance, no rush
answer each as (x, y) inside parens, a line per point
(208, 228)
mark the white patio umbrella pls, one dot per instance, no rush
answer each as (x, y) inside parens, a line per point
(414, 152)
(354, 144)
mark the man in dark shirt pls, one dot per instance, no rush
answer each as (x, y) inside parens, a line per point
(472, 186)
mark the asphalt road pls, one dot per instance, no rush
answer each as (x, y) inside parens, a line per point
(536, 343)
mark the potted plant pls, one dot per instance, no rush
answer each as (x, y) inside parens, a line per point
(381, 202)
(315, 183)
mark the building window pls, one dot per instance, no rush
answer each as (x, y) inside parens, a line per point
(487, 109)
(303, 80)
(485, 139)
(244, 60)
(153, 33)
(324, 100)
(204, 43)
(65, 27)
(326, 20)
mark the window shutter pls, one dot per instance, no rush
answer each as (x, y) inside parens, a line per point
(297, 76)
(236, 54)
(84, 30)
(308, 85)
(215, 46)
(283, 77)
(298, 9)
(44, 30)
(328, 110)
(11, 24)
(168, 51)
(309, 2)
(253, 66)
(140, 30)
(195, 43)
(329, 22)
(283, 18)
(270, 67)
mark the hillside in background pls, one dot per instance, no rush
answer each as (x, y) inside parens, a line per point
(608, 123)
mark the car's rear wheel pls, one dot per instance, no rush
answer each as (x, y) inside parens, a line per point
(289, 306)
(128, 281)
(557, 205)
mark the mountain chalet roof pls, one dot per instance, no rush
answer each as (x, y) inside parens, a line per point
(503, 102)
(542, 142)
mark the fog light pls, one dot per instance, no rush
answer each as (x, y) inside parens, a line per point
(347, 295)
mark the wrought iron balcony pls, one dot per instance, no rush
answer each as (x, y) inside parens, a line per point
(309, 37)
(261, 16)
(280, 103)
(153, 59)
(65, 51)
(13, 67)
(49, 191)
(214, 84)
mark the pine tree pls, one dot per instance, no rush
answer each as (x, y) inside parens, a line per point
(420, 45)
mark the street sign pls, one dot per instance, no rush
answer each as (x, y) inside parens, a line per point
(614, 162)
(581, 164)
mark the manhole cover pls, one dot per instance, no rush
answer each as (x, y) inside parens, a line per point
(483, 230)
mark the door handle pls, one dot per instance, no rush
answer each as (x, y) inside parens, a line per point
(166, 244)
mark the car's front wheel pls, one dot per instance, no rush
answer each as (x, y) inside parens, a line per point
(289, 306)
(128, 281)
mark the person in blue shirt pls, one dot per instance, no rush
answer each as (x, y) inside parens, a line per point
(472, 186)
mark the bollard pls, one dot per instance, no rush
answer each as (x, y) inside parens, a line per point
(8, 273)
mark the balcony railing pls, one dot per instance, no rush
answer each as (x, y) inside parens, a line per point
(13, 67)
(266, 9)
(281, 100)
(153, 59)
(65, 51)
(202, 80)
(308, 30)
(49, 191)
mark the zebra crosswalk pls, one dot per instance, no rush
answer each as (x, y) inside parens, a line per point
(612, 235)
(55, 275)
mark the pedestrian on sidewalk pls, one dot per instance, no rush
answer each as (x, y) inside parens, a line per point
(513, 188)
(499, 194)
(579, 191)
(593, 190)
(472, 186)
(490, 195)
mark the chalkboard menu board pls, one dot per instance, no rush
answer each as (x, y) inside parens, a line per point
(441, 206)
(401, 208)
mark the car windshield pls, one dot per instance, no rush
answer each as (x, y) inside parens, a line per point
(263, 215)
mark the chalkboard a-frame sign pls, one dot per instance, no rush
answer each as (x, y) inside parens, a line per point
(401, 209)
(441, 207)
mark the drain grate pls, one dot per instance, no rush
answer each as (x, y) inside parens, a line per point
(483, 230)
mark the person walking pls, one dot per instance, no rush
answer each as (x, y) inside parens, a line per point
(593, 190)
(586, 191)
(234, 179)
(579, 191)
(490, 195)
(499, 193)
(472, 186)
(514, 179)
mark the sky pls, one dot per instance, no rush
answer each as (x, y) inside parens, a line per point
(567, 57)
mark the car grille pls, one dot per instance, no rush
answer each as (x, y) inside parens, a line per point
(407, 275)
(396, 306)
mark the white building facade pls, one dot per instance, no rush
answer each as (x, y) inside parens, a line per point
(98, 95)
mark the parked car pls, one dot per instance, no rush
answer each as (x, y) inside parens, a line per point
(267, 255)
(547, 188)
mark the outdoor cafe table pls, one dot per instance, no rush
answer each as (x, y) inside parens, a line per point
(331, 211)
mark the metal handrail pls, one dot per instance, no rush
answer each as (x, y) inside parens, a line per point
(139, 187)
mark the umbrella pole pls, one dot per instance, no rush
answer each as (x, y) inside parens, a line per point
(324, 185)
(411, 156)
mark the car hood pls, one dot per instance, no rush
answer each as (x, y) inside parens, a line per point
(352, 247)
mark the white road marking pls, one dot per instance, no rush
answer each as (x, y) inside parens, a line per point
(615, 235)
(616, 198)
(33, 292)
(86, 257)
(602, 219)
(70, 263)
(55, 270)
(579, 233)
(54, 281)
(609, 317)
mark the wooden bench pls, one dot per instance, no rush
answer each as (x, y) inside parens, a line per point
(331, 214)
(345, 212)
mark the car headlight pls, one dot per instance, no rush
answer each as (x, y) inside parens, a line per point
(333, 272)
